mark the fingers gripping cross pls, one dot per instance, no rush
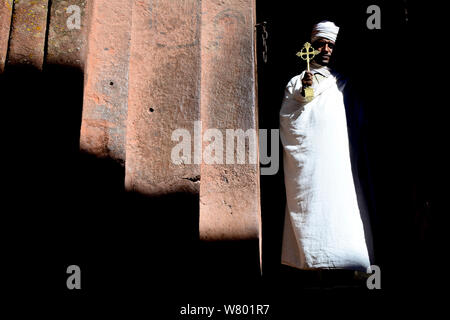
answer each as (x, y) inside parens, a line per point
(308, 53)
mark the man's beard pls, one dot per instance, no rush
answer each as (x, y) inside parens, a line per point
(321, 61)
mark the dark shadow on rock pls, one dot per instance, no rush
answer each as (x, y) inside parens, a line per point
(41, 112)
(67, 207)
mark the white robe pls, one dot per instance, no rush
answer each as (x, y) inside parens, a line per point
(323, 227)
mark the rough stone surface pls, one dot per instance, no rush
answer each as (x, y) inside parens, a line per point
(29, 26)
(103, 129)
(164, 94)
(152, 67)
(67, 44)
(5, 24)
(229, 193)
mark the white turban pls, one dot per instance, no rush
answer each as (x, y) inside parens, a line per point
(325, 29)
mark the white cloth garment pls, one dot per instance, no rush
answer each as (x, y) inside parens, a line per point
(323, 227)
(325, 29)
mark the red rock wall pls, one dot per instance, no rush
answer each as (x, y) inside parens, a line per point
(164, 94)
(5, 24)
(105, 105)
(152, 67)
(27, 41)
(67, 44)
(229, 193)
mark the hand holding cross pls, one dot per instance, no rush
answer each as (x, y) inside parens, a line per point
(308, 53)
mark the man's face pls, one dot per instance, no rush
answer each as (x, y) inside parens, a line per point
(325, 48)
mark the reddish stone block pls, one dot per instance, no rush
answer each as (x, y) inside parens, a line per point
(164, 94)
(103, 129)
(5, 24)
(29, 26)
(229, 193)
(67, 34)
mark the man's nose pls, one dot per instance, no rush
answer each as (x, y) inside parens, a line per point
(325, 49)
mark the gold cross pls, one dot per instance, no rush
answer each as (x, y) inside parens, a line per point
(307, 53)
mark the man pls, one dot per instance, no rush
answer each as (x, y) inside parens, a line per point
(323, 226)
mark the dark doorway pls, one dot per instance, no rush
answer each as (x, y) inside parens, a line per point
(378, 63)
